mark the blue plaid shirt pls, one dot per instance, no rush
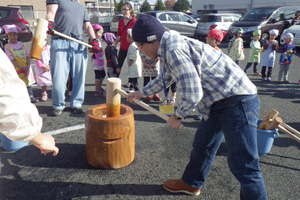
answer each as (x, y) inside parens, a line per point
(203, 74)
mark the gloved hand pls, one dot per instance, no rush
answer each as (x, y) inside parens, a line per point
(51, 27)
(95, 46)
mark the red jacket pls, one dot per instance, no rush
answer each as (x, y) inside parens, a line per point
(123, 33)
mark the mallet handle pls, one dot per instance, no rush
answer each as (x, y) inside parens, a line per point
(291, 129)
(282, 129)
(73, 39)
(146, 106)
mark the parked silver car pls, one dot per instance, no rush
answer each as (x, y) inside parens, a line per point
(115, 22)
(210, 21)
(177, 21)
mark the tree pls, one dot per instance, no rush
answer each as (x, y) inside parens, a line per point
(182, 5)
(145, 7)
(118, 6)
(159, 5)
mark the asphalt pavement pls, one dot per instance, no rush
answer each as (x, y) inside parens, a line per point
(161, 153)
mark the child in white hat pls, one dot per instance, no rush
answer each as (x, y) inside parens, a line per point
(287, 50)
(18, 55)
(134, 62)
(268, 58)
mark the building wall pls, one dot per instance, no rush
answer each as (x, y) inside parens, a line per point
(199, 6)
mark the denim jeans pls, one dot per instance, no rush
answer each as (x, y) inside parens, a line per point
(263, 72)
(249, 64)
(67, 56)
(236, 119)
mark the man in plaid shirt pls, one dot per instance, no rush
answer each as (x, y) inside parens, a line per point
(225, 97)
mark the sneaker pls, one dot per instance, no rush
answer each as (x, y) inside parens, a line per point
(33, 100)
(257, 74)
(286, 81)
(56, 112)
(156, 97)
(96, 94)
(165, 102)
(280, 82)
(102, 92)
(264, 78)
(44, 96)
(176, 186)
(269, 79)
(77, 110)
(148, 98)
(172, 102)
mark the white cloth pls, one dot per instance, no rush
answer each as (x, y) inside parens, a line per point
(19, 118)
(135, 70)
(268, 57)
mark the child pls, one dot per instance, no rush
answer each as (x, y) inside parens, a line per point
(254, 55)
(42, 71)
(286, 57)
(134, 62)
(97, 63)
(19, 56)
(150, 72)
(236, 52)
(268, 58)
(112, 66)
(215, 37)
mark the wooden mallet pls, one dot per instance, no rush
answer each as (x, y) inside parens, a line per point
(113, 92)
(40, 35)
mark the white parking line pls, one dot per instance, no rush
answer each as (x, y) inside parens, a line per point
(64, 130)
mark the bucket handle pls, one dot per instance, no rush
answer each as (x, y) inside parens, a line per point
(276, 134)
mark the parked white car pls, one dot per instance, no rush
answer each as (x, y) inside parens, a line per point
(115, 22)
(295, 30)
(210, 21)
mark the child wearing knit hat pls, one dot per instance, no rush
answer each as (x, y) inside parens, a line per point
(112, 64)
(254, 55)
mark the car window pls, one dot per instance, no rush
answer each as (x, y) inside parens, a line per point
(174, 17)
(259, 14)
(162, 17)
(235, 18)
(289, 13)
(227, 19)
(4, 14)
(210, 18)
(185, 18)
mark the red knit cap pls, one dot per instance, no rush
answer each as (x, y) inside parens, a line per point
(217, 34)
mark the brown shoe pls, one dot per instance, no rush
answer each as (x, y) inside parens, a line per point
(176, 186)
